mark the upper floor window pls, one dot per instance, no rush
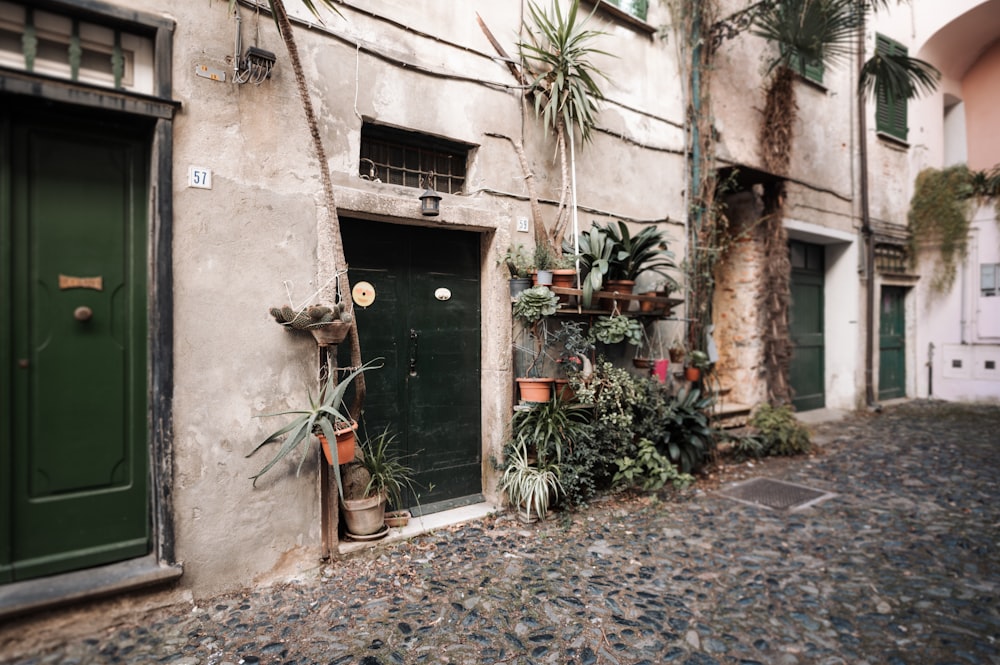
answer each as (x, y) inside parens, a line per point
(411, 159)
(636, 8)
(890, 114)
(989, 279)
(66, 47)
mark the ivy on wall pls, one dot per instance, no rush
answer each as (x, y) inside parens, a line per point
(941, 213)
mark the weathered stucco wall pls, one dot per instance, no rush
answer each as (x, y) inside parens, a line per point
(262, 228)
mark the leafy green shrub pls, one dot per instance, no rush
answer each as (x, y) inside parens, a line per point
(649, 470)
(779, 431)
(677, 425)
(590, 467)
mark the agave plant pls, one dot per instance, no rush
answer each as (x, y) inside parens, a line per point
(320, 417)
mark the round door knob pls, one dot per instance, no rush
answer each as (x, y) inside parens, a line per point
(83, 313)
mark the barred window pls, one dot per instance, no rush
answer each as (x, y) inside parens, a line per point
(400, 157)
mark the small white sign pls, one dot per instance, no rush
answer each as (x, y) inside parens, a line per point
(200, 177)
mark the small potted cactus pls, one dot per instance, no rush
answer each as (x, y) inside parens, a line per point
(328, 325)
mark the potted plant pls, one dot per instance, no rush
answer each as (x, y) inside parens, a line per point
(531, 308)
(543, 265)
(617, 328)
(644, 252)
(327, 324)
(518, 265)
(574, 358)
(322, 416)
(597, 251)
(697, 364)
(564, 274)
(530, 487)
(387, 476)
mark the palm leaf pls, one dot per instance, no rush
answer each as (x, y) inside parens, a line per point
(810, 31)
(896, 76)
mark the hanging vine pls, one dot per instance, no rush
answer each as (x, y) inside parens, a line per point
(941, 213)
(707, 223)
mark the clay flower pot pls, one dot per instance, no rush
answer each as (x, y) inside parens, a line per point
(535, 390)
(346, 443)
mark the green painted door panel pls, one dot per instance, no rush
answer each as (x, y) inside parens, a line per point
(428, 392)
(892, 344)
(806, 374)
(78, 441)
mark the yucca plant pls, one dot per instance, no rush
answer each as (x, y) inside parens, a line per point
(321, 416)
(563, 85)
(388, 473)
(550, 428)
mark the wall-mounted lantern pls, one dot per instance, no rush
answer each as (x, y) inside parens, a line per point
(430, 203)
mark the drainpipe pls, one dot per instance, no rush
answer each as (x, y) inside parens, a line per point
(694, 189)
(866, 232)
(930, 370)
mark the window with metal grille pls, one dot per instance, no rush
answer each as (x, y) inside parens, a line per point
(411, 159)
(890, 258)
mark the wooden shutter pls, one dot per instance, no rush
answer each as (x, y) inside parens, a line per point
(890, 114)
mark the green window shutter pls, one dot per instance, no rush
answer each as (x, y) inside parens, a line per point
(814, 71)
(890, 114)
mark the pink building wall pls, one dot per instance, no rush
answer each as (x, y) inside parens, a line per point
(981, 91)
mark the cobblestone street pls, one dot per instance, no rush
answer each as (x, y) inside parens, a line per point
(900, 566)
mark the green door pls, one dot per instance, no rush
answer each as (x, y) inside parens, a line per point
(73, 431)
(806, 326)
(425, 323)
(892, 344)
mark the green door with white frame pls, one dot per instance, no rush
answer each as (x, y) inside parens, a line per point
(806, 374)
(892, 343)
(73, 421)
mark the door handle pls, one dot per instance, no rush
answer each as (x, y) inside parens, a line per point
(414, 336)
(83, 313)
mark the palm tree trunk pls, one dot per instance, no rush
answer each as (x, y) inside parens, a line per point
(336, 240)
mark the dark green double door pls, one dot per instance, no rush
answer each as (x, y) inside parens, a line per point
(73, 431)
(425, 324)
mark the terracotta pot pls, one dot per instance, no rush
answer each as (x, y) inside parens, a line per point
(535, 390)
(363, 517)
(692, 373)
(346, 444)
(564, 391)
(623, 286)
(397, 518)
(564, 278)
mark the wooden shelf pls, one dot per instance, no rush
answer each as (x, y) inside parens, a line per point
(662, 303)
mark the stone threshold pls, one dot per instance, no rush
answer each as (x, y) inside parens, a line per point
(423, 524)
(20, 598)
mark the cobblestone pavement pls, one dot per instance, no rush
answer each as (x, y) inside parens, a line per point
(901, 566)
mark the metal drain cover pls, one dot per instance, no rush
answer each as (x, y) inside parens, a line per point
(777, 494)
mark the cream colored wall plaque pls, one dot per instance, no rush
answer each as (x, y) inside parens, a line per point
(363, 294)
